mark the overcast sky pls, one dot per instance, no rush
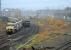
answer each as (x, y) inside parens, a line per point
(36, 4)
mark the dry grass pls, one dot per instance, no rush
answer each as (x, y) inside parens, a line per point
(2, 27)
(48, 27)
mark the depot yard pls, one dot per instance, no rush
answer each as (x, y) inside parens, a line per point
(53, 33)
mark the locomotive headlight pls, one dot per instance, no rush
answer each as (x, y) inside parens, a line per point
(9, 28)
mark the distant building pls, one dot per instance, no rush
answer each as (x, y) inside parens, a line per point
(11, 12)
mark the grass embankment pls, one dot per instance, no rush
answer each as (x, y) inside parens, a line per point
(48, 27)
(2, 27)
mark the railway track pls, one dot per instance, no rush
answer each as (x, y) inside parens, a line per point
(22, 36)
(3, 40)
(51, 36)
(65, 46)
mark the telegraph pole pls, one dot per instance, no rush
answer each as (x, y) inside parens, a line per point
(0, 7)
